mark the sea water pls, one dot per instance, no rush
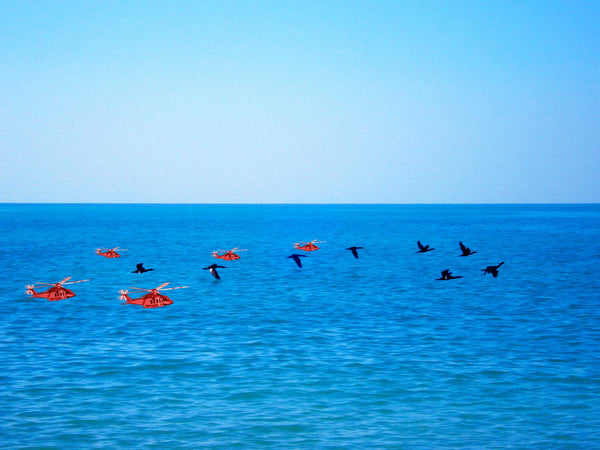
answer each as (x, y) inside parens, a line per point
(341, 353)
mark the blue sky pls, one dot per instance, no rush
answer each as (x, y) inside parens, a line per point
(300, 101)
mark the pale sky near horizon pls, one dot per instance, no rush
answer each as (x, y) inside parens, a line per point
(300, 101)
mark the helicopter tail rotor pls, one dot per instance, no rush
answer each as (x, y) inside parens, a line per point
(30, 290)
(123, 294)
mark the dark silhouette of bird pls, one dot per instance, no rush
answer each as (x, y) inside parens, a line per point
(423, 248)
(466, 251)
(140, 268)
(296, 257)
(213, 270)
(353, 250)
(492, 269)
(447, 275)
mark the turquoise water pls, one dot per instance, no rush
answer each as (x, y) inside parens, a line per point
(343, 353)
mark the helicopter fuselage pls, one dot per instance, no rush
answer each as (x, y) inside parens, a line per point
(229, 256)
(109, 254)
(151, 300)
(53, 294)
(310, 247)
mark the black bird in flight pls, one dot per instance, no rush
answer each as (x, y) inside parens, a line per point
(466, 251)
(423, 248)
(492, 269)
(140, 268)
(447, 275)
(353, 250)
(213, 270)
(296, 257)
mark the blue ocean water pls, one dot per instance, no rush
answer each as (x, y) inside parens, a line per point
(343, 353)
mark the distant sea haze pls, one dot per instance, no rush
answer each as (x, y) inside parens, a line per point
(346, 352)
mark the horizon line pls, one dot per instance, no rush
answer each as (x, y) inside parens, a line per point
(299, 203)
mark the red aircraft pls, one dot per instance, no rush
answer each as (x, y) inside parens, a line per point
(228, 255)
(307, 246)
(151, 300)
(110, 252)
(56, 292)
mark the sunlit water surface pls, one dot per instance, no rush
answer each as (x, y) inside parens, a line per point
(345, 352)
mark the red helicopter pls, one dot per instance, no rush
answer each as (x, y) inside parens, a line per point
(307, 246)
(151, 300)
(228, 255)
(110, 252)
(56, 292)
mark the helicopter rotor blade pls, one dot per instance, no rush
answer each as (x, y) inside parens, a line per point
(161, 286)
(63, 281)
(170, 289)
(73, 282)
(141, 289)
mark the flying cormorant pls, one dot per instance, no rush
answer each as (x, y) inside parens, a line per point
(492, 269)
(296, 257)
(466, 251)
(423, 248)
(447, 275)
(213, 270)
(353, 250)
(140, 268)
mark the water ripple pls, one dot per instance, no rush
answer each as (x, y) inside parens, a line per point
(344, 353)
